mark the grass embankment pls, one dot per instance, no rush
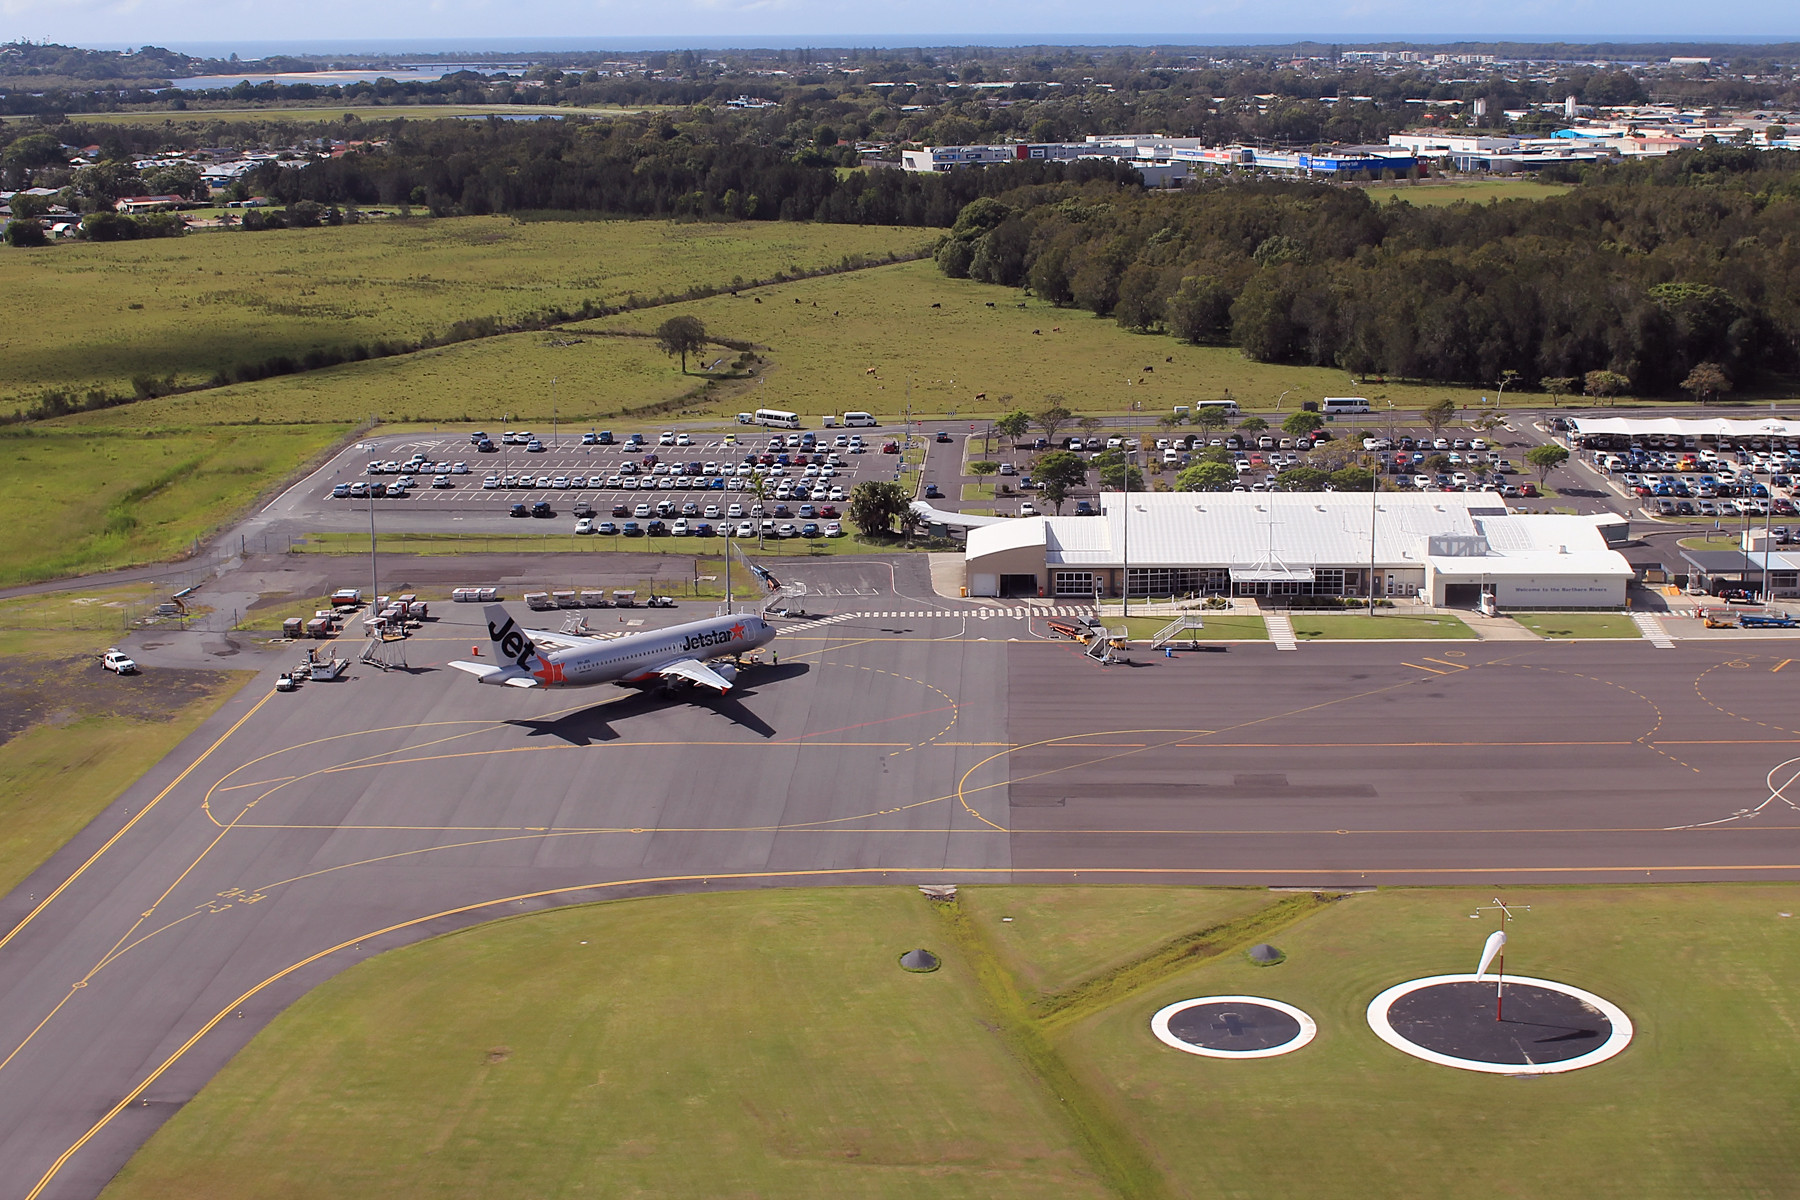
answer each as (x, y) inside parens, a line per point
(1579, 625)
(80, 500)
(1222, 627)
(188, 307)
(1349, 627)
(767, 1043)
(75, 736)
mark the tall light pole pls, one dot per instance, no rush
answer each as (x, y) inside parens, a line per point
(374, 574)
(553, 410)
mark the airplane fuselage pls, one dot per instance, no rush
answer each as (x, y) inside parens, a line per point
(631, 659)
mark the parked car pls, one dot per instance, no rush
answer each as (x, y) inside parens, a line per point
(585, 525)
(519, 510)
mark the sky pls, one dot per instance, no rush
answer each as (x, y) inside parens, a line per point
(340, 25)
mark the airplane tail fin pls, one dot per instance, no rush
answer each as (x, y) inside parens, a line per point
(511, 643)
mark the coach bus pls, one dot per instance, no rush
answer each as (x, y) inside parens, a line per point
(779, 418)
(1345, 404)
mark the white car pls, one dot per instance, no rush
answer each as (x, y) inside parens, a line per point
(491, 482)
(735, 511)
(833, 529)
(667, 438)
(585, 525)
(1027, 509)
(746, 529)
(460, 468)
(118, 662)
(837, 494)
(711, 512)
(682, 439)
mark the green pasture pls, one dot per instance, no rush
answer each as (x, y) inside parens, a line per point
(825, 334)
(1476, 191)
(191, 306)
(1362, 627)
(1579, 625)
(90, 499)
(767, 1043)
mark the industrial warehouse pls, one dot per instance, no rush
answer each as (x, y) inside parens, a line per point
(1444, 548)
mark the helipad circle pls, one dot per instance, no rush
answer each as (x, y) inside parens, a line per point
(1233, 1027)
(1549, 1027)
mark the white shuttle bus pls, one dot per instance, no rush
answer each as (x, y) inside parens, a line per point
(1345, 404)
(1228, 407)
(778, 418)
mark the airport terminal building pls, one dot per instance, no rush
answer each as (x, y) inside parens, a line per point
(1446, 548)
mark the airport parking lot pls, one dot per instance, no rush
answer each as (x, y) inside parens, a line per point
(629, 488)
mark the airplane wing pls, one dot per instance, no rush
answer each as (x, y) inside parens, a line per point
(487, 674)
(694, 671)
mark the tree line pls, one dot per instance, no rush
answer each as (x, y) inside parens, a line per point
(1643, 274)
(630, 168)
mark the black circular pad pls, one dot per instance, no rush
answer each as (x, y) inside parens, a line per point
(1234, 1025)
(1538, 1025)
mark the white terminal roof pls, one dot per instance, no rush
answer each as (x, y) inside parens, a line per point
(1284, 535)
(1694, 427)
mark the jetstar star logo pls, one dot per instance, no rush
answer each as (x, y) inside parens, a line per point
(737, 632)
(549, 673)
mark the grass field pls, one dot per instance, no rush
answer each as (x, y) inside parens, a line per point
(1476, 191)
(1220, 627)
(822, 346)
(767, 1044)
(1347, 626)
(1579, 625)
(818, 351)
(71, 736)
(80, 500)
(191, 306)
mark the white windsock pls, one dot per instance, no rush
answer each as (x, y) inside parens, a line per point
(1496, 942)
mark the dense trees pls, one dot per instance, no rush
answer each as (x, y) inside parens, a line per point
(1628, 283)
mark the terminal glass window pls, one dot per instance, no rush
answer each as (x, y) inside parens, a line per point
(1073, 583)
(1328, 581)
(1164, 581)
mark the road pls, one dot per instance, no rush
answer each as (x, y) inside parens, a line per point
(900, 738)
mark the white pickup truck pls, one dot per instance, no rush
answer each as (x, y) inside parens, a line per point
(118, 662)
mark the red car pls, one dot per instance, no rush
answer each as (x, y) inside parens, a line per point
(890, 447)
(1528, 490)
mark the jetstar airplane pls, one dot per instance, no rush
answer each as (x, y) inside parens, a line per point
(528, 658)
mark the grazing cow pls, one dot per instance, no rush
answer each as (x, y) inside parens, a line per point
(981, 395)
(937, 306)
(868, 370)
(1169, 359)
(758, 299)
(1037, 332)
(990, 304)
(1149, 368)
(1056, 329)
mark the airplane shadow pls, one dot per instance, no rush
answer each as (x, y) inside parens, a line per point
(597, 723)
